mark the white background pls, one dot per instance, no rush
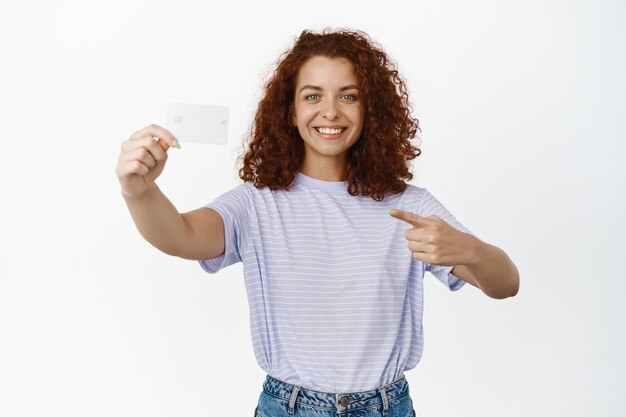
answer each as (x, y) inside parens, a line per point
(522, 108)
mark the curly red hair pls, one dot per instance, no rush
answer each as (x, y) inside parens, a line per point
(377, 163)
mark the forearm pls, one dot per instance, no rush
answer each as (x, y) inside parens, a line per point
(495, 273)
(158, 220)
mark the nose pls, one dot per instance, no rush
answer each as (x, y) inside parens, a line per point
(330, 111)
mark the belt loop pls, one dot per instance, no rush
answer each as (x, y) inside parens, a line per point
(292, 400)
(383, 394)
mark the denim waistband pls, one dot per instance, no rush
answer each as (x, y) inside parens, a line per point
(340, 402)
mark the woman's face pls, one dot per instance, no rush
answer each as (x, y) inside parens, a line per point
(327, 109)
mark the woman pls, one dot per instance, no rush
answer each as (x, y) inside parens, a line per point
(335, 295)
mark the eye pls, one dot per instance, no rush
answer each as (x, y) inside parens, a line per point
(351, 97)
(308, 98)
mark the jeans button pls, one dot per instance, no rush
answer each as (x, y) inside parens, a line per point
(344, 401)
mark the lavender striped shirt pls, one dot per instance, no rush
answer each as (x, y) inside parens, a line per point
(335, 296)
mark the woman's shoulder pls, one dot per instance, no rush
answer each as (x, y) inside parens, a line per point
(249, 191)
(412, 188)
(415, 191)
(416, 197)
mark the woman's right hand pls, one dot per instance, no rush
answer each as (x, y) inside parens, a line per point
(142, 159)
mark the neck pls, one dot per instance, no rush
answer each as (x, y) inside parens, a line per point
(330, 171)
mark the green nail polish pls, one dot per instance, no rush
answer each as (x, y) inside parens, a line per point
(392, 212)
(176, 144)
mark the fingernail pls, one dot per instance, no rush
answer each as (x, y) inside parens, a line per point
(176, 144)
(392, 212)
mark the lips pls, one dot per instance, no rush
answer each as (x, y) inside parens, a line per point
(334, 130)
(326, 133)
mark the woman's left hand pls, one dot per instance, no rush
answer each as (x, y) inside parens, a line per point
(434, 241)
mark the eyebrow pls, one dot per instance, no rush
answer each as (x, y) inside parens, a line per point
(317, 88)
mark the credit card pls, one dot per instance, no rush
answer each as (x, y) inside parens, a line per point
(199, 123)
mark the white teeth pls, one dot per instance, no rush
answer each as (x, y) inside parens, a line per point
(325, 131)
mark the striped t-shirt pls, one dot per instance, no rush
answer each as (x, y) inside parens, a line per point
(335, 296)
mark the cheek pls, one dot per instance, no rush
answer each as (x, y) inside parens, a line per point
(357, 114)
(358, 120)
(304, 116)
(296, 115)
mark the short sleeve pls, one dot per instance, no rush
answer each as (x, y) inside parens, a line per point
(432, 206)
(233, 207)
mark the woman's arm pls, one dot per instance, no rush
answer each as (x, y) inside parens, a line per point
(488, 268)
(485, 266)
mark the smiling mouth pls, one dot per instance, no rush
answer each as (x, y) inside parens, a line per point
(330, 133)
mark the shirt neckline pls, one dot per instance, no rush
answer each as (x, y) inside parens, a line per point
(311, 182)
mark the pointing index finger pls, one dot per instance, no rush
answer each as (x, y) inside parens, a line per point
(407, 216)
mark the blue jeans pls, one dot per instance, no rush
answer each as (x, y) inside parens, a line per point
(280, 399)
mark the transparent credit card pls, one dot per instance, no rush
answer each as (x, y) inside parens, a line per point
(199, 123)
